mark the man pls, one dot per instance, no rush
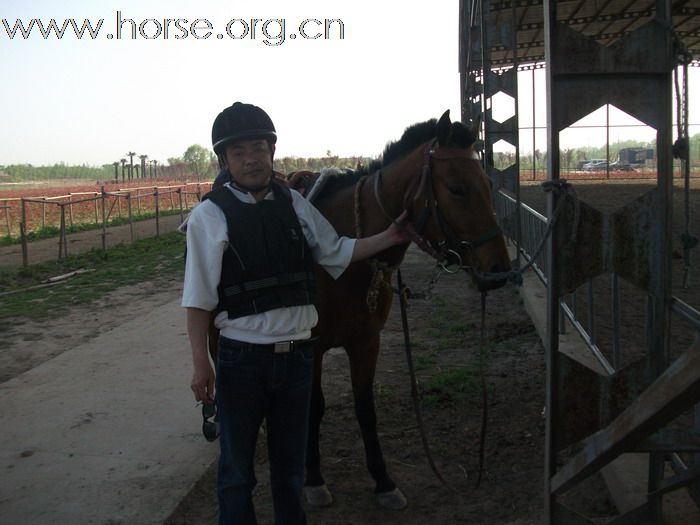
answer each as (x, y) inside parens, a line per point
(251, 245)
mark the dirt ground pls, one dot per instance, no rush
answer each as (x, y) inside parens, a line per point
(512, 486)
(512, 489)
(444, 320)
(445, 331)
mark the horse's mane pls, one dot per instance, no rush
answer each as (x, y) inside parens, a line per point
(417, 134)
(413, 136)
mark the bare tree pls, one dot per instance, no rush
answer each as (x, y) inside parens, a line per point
(143, 165)
(131, 163)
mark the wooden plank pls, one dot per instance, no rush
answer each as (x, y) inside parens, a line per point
(679, 481)
(632, 517)
(671, 440)
(676, 390)
(563, 515)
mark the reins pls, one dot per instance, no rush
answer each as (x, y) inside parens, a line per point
(681, 149)
(484, 389)
(407, 226)
(448, 249)
(403, 293)
(563, 190)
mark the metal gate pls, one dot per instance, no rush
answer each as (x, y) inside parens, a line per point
(596, 53)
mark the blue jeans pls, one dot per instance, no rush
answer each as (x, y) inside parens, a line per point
(251, 385)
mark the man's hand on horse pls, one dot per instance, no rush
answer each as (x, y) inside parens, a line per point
(399, 229)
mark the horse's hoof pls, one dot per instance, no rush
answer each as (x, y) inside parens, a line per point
(318, 496)
(393, 500)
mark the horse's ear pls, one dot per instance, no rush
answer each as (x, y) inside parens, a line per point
(444, 127)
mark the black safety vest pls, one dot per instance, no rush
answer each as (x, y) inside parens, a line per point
(268, 263)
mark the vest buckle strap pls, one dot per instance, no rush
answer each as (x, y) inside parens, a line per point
(268, 282)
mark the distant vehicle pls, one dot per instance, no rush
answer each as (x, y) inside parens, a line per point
(619, 166)
(635, 157)
(595, 165)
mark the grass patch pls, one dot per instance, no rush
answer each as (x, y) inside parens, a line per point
(155, 259)
(448, 331)
(425, 361)
(448, 328)
(451, 385)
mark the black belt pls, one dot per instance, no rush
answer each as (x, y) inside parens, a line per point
(278, 348)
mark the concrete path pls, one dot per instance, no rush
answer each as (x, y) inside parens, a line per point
(105, 433)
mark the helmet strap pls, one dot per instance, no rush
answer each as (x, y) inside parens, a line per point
(222, 160)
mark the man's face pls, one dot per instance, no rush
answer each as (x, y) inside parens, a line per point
(250, 163)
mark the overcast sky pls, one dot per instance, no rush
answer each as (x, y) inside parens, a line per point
(91, 100)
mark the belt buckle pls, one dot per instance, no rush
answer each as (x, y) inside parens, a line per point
(282, 347)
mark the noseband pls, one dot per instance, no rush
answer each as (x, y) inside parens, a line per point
(446, 252)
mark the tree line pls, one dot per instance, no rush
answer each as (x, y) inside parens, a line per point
(196, 163)
(199, 163)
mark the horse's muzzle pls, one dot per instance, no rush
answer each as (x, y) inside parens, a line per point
(495, 278)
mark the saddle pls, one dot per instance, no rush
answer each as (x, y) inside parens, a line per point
(309, 183)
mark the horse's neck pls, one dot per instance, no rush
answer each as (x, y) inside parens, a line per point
(361, 214)
(382, 201)
(385, 192)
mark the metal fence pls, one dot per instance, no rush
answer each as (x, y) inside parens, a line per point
(101, 209)
(580, 309)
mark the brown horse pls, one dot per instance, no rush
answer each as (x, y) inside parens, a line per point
(435, 174)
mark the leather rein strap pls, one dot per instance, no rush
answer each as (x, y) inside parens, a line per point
(403, 293)
(407, 226)
(425, 185)
(403, 300)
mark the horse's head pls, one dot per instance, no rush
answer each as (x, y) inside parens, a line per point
(451, 205)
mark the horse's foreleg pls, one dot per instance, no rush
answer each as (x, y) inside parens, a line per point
(315, 489)
(363, 362)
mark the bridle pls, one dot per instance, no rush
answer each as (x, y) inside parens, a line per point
(443, 251)
(447, 254)
(447, 251)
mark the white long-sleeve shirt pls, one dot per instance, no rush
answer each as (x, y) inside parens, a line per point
(207, 238)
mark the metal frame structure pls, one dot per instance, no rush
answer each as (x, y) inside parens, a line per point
(623, 53)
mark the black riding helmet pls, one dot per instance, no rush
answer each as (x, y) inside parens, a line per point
(241, 122)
